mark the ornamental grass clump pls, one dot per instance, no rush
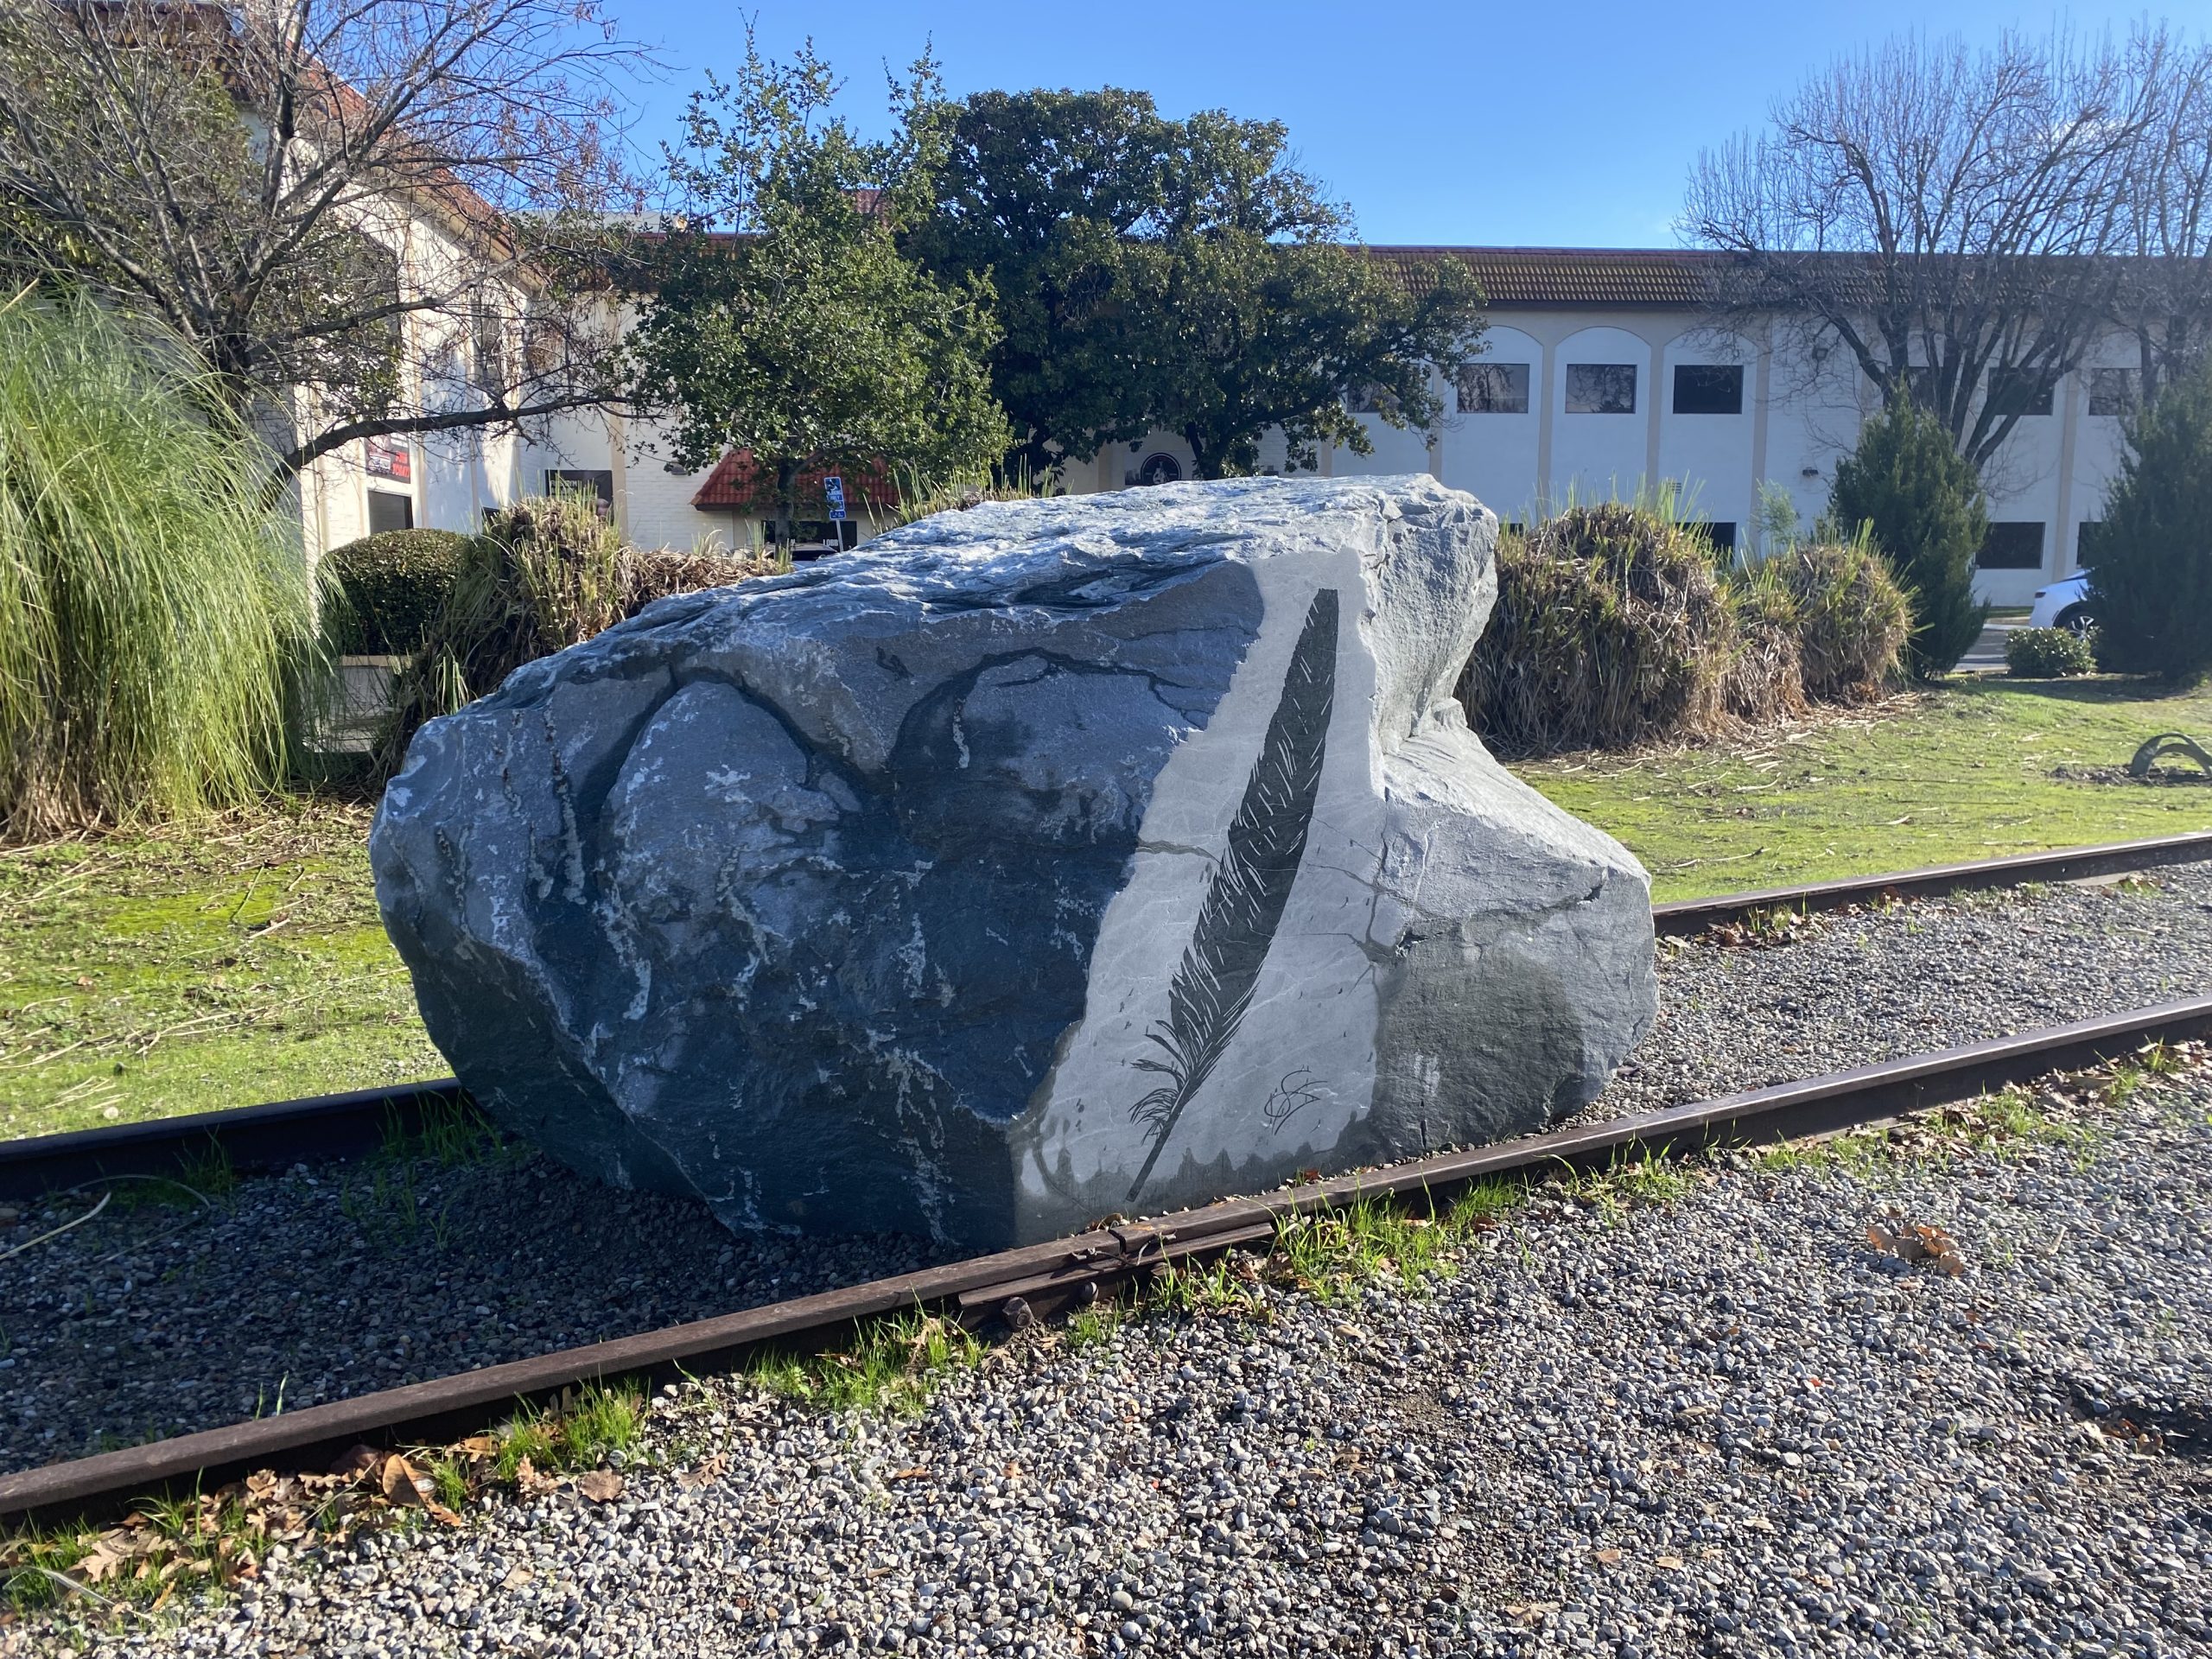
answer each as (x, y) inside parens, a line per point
(1763, 681)
(662, 572)
(1610, 628)
(1853, 618)
(544, 574)
(156, 626)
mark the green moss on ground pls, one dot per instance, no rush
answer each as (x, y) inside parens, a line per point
(1967, 771)
(189, 971)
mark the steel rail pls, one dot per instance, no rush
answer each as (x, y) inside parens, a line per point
(328, 1126)
(1046, 1275)
(317, 1129)
(1683, 916)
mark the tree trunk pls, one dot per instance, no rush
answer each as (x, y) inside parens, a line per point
(1203, 464)
(787, 503)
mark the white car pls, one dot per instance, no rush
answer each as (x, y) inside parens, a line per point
(2065, 604)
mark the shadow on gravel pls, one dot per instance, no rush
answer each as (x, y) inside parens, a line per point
(160, 1318)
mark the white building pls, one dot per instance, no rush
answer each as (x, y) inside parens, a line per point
(1601, 376)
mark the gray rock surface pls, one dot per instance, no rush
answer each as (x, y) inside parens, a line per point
(1038, 861)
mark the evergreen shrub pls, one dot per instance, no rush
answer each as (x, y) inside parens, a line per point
(2048, 654)
(2153, 583)
(387, 590)
(1921, 503)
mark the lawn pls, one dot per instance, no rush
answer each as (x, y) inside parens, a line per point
(1970, 771)
(142, 977)
(183, 973)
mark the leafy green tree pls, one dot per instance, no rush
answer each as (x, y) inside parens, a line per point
(1178, 274)
(1923, 502)
(1040, 193)
(779, 315)
(2154, 578)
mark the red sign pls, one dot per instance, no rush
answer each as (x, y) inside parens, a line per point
(391, 458)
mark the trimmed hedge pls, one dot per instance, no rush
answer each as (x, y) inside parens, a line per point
(2048, 654)
(389, 590)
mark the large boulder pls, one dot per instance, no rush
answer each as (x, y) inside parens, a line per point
(1035, 862)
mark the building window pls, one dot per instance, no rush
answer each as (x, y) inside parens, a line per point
(1919, 387)
(2088, 543)
(489, 325)
(1720, 532)
(389, 509)
(1709, 389)
(2019, 391)
(1493, 388)
(1160, 467)
(2112, 392)
(596, 482)
(2017, 545)
(1601, 387)
(1369, 400)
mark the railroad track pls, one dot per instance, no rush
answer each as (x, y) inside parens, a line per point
(1049, 1277)
(1045, 1276)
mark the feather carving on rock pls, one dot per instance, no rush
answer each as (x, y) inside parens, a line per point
(1243, 904)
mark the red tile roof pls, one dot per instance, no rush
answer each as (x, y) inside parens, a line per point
(740, 484)
(1575, 277)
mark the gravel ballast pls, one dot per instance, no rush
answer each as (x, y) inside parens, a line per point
(326, 1283)
(1867, 985)
(1720, 1424)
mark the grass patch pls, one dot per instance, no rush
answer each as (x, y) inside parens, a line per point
(580, 1430)
(146, 975)
(1631, 1179)
(2056, 1113)
(1333, 1254)
(894, 1366)
(1965, 770)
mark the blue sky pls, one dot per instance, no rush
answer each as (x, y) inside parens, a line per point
(1541, 123)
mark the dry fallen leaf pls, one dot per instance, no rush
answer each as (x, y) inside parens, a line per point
(1608, 1556)
(401, 1484)
(1668, 1563)
(1914, 1243)
(705, 1472)
(528, 1481)
(356, 1462)
(601, 1486)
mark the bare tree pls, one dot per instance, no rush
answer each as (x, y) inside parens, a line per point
(2164, 297)
(371, 218)
(1946, 215)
